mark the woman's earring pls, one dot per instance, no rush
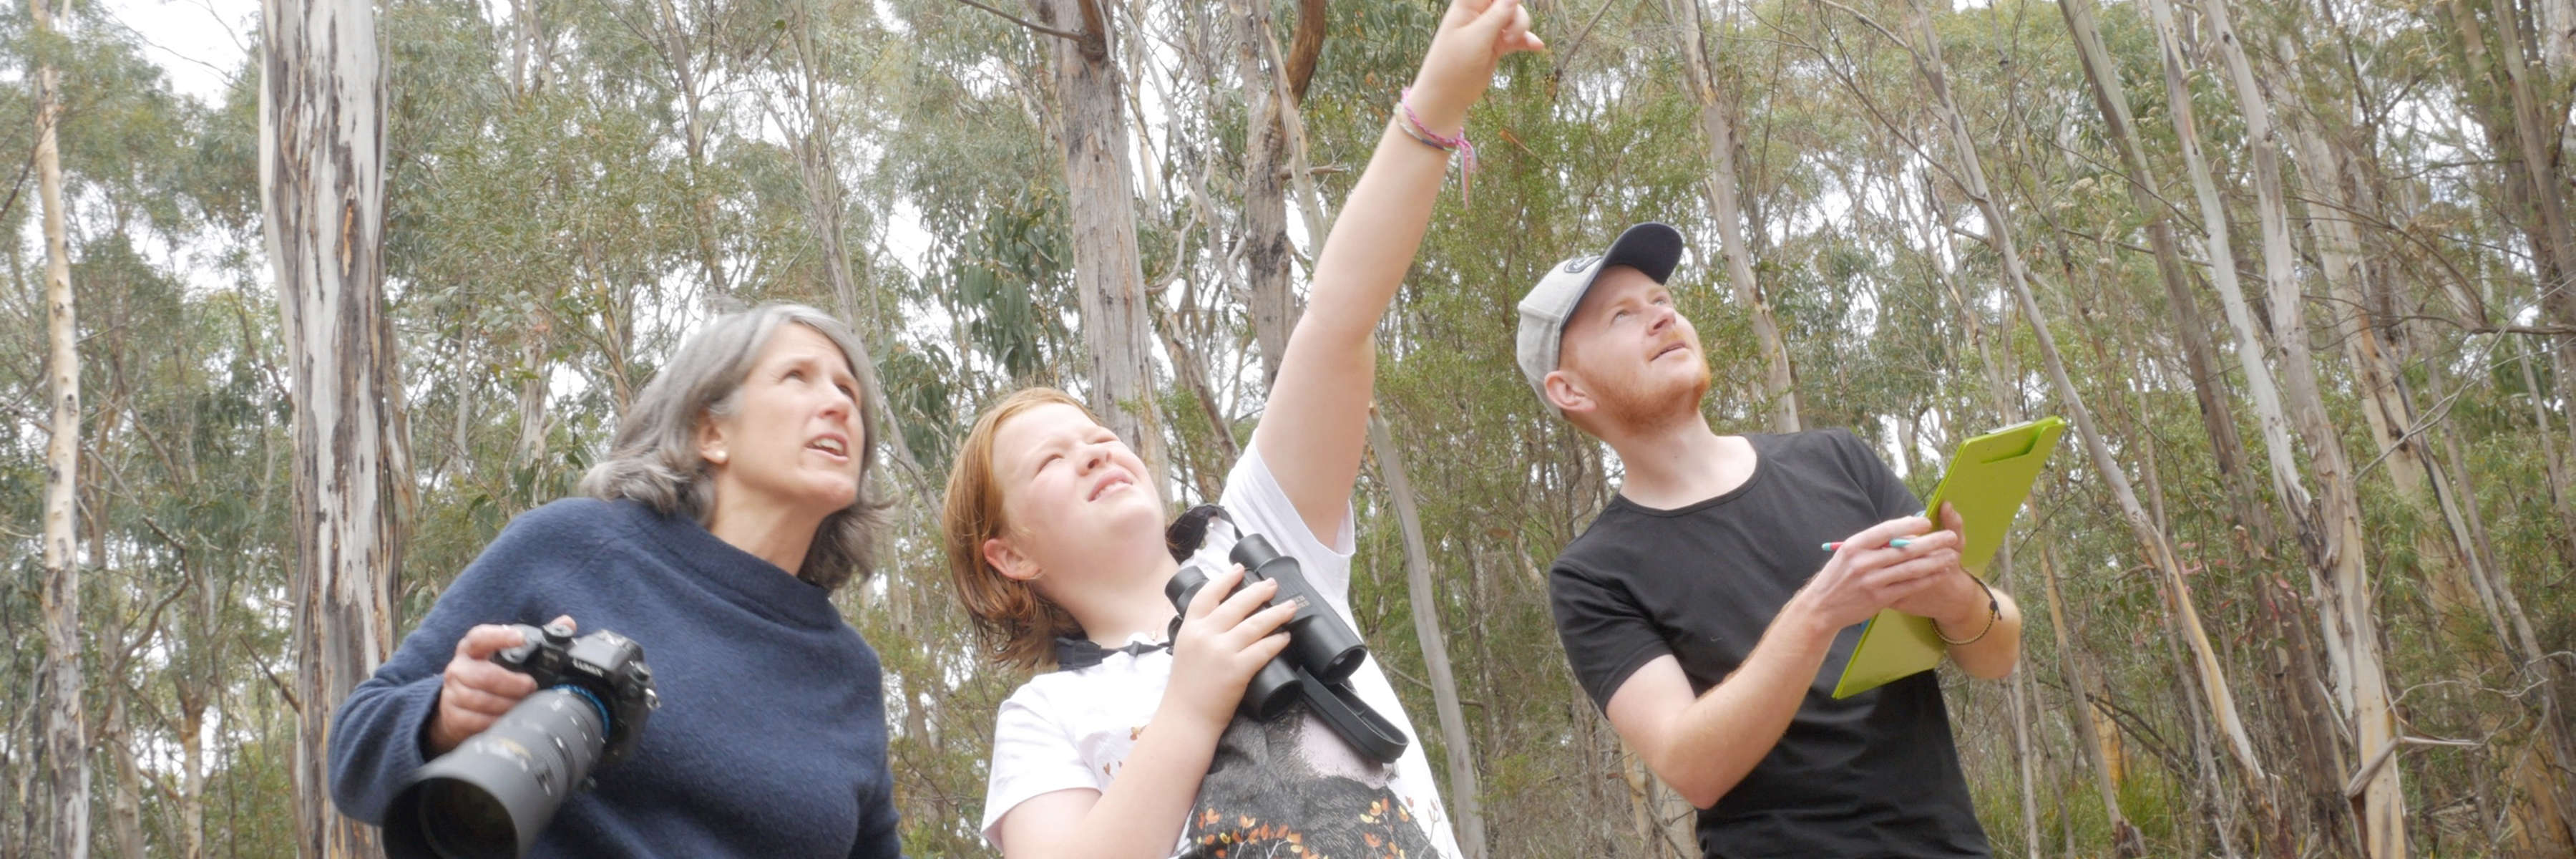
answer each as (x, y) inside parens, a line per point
(717, 457)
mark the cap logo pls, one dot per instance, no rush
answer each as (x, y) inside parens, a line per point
(1578, 264)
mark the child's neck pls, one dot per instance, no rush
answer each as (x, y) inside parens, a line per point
(1125, 602)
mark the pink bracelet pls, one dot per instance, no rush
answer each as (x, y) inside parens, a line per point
(1459, 143)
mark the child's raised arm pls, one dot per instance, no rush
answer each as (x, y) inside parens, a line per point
(1316, 423)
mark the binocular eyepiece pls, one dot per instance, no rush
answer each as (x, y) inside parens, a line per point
(492, 794)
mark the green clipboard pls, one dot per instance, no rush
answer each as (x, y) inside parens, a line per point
(1987, 482)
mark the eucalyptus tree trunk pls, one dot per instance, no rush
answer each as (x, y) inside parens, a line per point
(1719, 183)
(2335, 178)
(2498, 93)
(1273, 160)
(2259, 384)
(1297, 68)
(2391, 417)
(1641, 805)
(2541, 814)
(2143, 526)
(1107, 273)
(2562, 491)
(2556, 22)
(322, 144)
(2330, 525)
(671, 41)
(2126, 840)
(66, 756)
(192, 695)
(532, 394)
(1273, 304)
(2540, 123)
(826, 202)
(2200, 359)
(191, 797)
(1464, 794)
(2389, 407)
(125, 801)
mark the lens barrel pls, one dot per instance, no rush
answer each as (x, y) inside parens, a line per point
(494, 793)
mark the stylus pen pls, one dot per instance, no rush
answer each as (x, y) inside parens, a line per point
(1898, 543)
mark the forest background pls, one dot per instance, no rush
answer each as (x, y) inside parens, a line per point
(2298, 584)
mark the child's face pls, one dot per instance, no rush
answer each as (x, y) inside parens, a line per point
(1070, 487)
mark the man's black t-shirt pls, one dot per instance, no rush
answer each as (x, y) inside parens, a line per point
(1873, 775)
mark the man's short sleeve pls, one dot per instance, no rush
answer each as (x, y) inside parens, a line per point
(1607, 635)
(1886, 490)
(1032, 755)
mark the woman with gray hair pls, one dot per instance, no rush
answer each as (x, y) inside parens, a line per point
(731, 505)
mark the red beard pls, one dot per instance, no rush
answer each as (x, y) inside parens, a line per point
(1638, 404)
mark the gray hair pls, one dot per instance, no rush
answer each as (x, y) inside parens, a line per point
(655, 458)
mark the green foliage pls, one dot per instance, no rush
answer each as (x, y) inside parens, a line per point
(573, 187)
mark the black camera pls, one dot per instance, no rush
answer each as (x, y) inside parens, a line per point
(492, 794)
(1317, 664)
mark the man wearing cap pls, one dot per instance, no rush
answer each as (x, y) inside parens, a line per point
(1703, 618)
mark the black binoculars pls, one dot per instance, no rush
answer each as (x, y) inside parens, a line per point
(1316, 667)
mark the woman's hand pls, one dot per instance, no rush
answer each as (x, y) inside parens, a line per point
(1221, 644)
(474, 691)
(1474, 35)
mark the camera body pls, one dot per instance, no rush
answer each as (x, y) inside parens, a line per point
(605, 665)
(1316, 666)
(493, 793)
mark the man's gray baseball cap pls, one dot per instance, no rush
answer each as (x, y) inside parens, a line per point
(1650, 247)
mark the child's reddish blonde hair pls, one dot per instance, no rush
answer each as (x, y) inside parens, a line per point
(1020, 625)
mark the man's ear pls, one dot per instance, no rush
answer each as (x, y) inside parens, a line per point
(1568, 395)
(1008, 559)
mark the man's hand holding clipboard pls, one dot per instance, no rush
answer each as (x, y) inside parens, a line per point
(1987, 481)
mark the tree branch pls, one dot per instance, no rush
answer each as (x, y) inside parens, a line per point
(1032, 25)
(18, 184)
(2428, 419)
(284, 691)
(2352, 788)
(1564, 58)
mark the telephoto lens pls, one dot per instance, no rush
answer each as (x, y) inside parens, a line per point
(496, 791)
(494, 794)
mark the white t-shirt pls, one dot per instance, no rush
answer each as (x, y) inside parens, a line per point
(1291, 781)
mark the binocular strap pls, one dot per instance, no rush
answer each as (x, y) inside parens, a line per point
(1340, 709)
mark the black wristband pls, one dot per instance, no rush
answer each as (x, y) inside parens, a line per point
(1994, 612)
